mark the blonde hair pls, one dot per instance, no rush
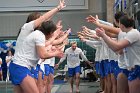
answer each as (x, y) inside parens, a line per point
(73, 42)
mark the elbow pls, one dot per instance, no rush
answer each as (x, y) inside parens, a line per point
(42, 56)
(115, 49)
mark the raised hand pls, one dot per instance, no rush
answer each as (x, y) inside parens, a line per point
(92, 19)
(84, 28)
(81, 33)
(100, 32)
(68, 31)
(82, 38)
(59, 23)
(61, 4)
(58, 31)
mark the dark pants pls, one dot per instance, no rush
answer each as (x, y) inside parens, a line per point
(4, 72)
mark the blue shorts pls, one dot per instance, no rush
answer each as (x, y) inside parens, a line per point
(105, 68)
(97, 67)
(73, 71)
(18, 73)
(51, 69)
(134, 73)
(47, 69)
(101, 69)
(114, 68)
(35, 71)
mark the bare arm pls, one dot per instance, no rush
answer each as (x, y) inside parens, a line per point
(55, 34)
(114, 45)
(41, 50)
(49, 14)
(62, 38)
(95, 21)
(111, 34)
(62, 59)
(85, 58)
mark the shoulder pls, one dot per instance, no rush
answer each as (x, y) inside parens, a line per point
(79, 49)
(37, 34)
(28, 25)
(134, 32)
(68, 49)
(133, 35)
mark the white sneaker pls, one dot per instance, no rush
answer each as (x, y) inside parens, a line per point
(98, 80)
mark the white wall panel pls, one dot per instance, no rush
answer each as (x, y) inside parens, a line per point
(35, 5)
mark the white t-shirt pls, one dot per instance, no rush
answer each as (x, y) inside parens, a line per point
(121, 58)
(105, 23)
(112, 54)
(40, 62)
(46, 61)
(52, 61)
(26, 29)
(104, 52)
(133, 50)
(73, 59)
(9, 57)
(97, 45)
(27, 54)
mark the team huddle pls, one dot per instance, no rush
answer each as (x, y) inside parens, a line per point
(40, 40)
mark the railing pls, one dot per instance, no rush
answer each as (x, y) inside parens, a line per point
(6, 87)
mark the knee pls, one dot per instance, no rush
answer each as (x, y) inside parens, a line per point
(46, 82)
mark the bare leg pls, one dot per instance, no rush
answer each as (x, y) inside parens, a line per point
(105, 85)
(122, 83)
(28, 85)
(40, 83)
(102, 84)
(71, 84)
(77, 82)
(109, 85)
(134, 86)
(114, 84)
(1, 76)
(51, 78)
(18, 89)
(47, 86)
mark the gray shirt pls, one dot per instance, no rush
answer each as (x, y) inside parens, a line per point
(73, 57)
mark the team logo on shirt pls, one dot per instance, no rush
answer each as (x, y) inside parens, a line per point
(40, 1)
(74, 55)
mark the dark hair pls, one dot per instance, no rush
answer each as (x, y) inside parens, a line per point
(118, 15)
(47, 27)
(127, 22)
(115, 25)
(12, 51)
(33, 16)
